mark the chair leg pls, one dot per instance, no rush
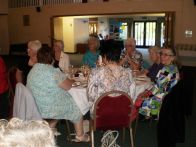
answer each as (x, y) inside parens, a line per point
(123, 135)
(135, 128)
(92, 138)
(150, 122)
(92, 133)
(131, 136)
(68, 130)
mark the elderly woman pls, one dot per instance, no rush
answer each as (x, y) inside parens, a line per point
(112, 76)
(130, 57)
(49, 87)
(61, 58)
(91, 56)
(33, 47)
(23, 68)
(166, 78)
(154, 54)
(21, 133)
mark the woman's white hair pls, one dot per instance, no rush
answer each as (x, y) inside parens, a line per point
(35, 45)
(19, 133)
(155, 49)
(131, 41)
(96, 39)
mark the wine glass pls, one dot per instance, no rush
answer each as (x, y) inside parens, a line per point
(71, 71)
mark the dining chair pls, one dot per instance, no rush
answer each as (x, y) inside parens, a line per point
(12, 86)
(112, 111)
(25, 107)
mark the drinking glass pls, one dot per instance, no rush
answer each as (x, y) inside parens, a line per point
(71, 71)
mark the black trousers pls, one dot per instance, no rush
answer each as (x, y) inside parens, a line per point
(4, 105)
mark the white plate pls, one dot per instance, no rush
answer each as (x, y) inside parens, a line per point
(79, 79)
(76, 84)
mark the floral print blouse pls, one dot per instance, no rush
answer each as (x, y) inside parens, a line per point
(137, 57)
(107, 78)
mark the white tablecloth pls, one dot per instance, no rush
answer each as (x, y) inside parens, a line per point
(142, 83)
(80, 97)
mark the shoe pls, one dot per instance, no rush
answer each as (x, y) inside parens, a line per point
(83, 138)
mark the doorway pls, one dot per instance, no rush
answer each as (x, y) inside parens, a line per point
(148, 29)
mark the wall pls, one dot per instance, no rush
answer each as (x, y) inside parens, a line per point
(75, 30)
(3, 6)
(103, 26)
(81, 30)
(58, 27)
(4, 36)
(188, 22)
(68, 31)
(40, 27)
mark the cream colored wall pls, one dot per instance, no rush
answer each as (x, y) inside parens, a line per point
(41, 26)
(186, 22)
(81, 30)
(103, 26)
(58, 27)
(71, 31)
(68, 31)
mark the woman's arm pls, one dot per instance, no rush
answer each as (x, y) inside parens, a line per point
(66, 84)
(92, 88)
(62, 80)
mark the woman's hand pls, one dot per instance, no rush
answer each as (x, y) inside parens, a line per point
(134, 65)
(66, 84)
(143, 95)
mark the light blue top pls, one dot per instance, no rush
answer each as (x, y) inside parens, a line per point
(52, 101)
(90, 58)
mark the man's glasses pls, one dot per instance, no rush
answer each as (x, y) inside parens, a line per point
(165, 55)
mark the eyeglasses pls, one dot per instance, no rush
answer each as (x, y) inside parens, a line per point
(165, 55)
(129, 45)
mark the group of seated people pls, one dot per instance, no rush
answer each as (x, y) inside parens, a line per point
(118, 69)
(49, 80)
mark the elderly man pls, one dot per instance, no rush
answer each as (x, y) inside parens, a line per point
(130, 57)
(61, 58)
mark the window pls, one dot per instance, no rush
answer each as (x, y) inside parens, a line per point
(145, 33)
(123, 31)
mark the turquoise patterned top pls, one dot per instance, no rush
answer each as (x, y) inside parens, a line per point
(53, 102)
(90, 58)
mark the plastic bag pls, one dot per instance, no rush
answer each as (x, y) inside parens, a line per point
(109, 139)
